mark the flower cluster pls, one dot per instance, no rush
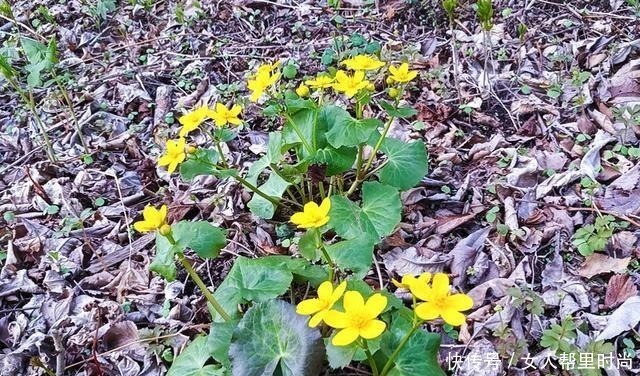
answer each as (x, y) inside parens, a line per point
(359, 319)
(350, 84)
(176, 150)
(437, 299)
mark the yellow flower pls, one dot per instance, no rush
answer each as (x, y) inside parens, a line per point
(322, 81)
(402, 73)
(439, 302)
(409, 279)
(312, 215)
(153, 219)
(222, 115)
(363, 62)
(318, 307)
(174, 155)
(359, 318)
(302, 90)
(192, 119)
(263, 79)
(350, 85)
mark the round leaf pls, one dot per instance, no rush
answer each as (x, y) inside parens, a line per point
(406, 163)
(271, 338)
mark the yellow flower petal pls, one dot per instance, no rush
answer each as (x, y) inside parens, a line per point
(453, 317)
(325, 206)
(427, 311)
(421, 291)
(317, 318)
(459, 302)
(309, 306)
(299, 218)
(143, 226)
(372, 329)
(336, 319)
(345, 337)
(440, 284)
(353, 301)
(325, 290)
(338, 292)
(375, 305)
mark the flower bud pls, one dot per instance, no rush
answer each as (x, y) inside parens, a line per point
(371, 87)
(390, 80)
(302, 90)
(393, 92)
(191, 149)
(165, 230)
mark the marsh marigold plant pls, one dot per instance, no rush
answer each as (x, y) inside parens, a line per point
(438, 301)
(359, 319)
(153, 219)
(313, 215)
(174, 155)
(320, 306)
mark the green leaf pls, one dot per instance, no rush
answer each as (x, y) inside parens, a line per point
(191, 362)
(257, 280)
(342, 356)
(163, 262)
(337, 160)
(355, 255)
(289, 71)
(202, 162)
(400, 112)
(5, 68)
(348, 220)
(303, 120)
(419, 356)
(348, 131)
(406, 163)
(219, 340)
(381, 203)
(376, 218)
(249, 280)
(274, 187)
(307, 246)
(204, 238)
(272, 339)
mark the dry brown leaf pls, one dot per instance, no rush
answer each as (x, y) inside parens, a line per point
(599, 264)
(450, 223)
(619, 289)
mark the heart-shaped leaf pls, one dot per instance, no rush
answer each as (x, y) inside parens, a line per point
(419, 356)
(406, 163)
(272, 339)
(191, 362)
(377, 216)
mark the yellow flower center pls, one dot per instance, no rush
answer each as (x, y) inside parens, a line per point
(440, 301)
(359, 320)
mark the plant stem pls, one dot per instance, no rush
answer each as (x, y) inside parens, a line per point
(219, 148)
(372, 362)
(299, 133)
(367, 166)
(256, 190)
(203, 288)
(454, 52)
(395, 353)
(320, 244)
(359, 161)
(28, 101)
(67, 98)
